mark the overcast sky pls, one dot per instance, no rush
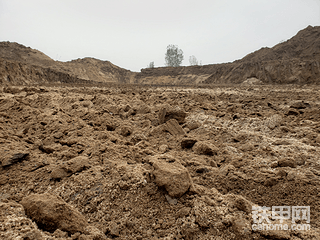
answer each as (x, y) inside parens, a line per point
(132, 33)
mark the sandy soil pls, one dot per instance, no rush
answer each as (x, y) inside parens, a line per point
(156, 163)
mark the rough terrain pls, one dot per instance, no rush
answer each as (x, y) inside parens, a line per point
(156, 163)
(30, 64)
(295, 61)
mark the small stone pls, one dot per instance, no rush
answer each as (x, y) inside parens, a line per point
(172, 201)
(69, 141)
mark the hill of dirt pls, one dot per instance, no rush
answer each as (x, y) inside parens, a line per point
(85, 69)
(18, 73)
(16, 52)
(294, 61)
(97, 70)
(305, 45)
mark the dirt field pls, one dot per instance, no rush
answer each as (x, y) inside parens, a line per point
(156, 163)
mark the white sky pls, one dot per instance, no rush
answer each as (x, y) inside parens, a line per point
(132, 33)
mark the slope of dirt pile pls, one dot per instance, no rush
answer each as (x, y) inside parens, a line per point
(87, 69)
(305, 45)
(156, 163)
(294, 61)
(19, 53)
(97, 70)
(18, 73)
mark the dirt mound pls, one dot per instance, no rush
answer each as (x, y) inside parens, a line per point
(97, 70)
(19, 53)
(89, 69)
(294, 61)
(110, 158)
(305, 45)
(18, 73)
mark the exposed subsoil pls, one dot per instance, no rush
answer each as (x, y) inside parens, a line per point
(156, 163)
(295, 61)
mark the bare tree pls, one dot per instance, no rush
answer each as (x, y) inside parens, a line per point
(193, 61)
(174, 56)
(151, 65)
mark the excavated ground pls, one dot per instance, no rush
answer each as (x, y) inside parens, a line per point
(237, 147)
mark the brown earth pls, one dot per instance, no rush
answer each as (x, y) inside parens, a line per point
(81, 160)
(90, 69)
(295, 61)
(156, 163)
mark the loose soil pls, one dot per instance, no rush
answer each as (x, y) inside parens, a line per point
(157, 163)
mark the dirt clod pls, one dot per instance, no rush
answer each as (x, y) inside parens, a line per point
(205, 148)
(169, 173)
(51, 213)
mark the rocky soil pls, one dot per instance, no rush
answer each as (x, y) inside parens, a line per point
(156, 163)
